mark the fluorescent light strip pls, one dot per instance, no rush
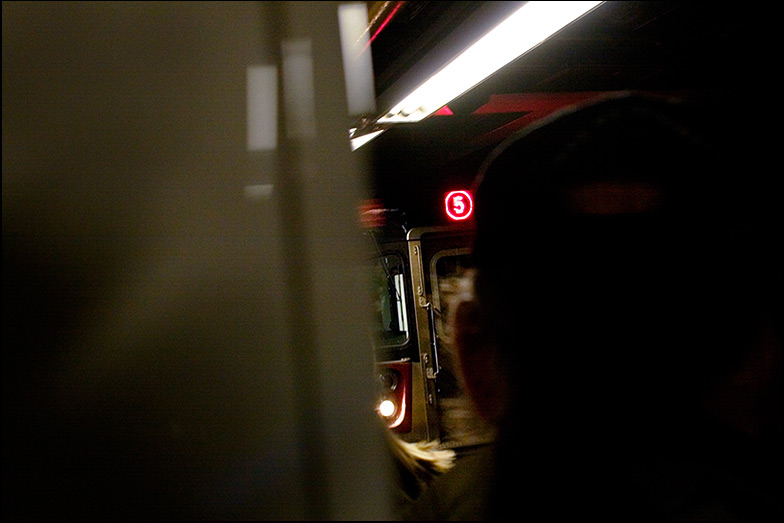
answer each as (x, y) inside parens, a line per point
(359, 141)
(523, 30)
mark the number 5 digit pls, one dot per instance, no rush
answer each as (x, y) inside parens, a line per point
(457, 204)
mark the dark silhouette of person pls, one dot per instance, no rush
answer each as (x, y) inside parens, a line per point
(624, 334)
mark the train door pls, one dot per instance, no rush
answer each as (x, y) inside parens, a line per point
(440, 261)
(416, 280)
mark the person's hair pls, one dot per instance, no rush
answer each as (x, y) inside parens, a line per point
(621, 245)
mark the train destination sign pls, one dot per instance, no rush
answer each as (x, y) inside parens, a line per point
(459, 205)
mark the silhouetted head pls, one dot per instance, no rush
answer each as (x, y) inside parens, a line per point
(618, 235)
(625, 268)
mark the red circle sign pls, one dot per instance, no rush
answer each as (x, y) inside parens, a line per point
(459, 205)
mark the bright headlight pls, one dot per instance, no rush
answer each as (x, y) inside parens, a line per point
(386, 408)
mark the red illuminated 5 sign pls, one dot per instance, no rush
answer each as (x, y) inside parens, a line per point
(459, 205)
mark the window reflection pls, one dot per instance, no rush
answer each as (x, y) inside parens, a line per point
(388, 284)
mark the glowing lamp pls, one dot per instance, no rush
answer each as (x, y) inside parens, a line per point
(529, 26)
(386, 408)
(521, 31)
(395, 398)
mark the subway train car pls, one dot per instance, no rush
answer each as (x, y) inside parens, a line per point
(417, 274)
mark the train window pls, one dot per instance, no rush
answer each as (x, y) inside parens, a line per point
(388, 284)
(447, 270)
(460, 425)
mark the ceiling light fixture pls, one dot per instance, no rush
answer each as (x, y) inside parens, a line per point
(358, 141)
(523, 30)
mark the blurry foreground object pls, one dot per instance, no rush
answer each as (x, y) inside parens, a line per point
(168, 299)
